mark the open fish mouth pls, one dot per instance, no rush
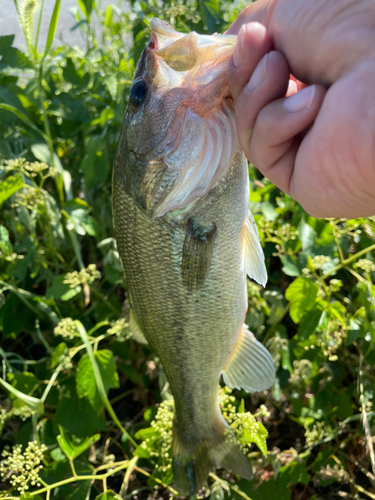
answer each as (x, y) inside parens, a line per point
(184, 51)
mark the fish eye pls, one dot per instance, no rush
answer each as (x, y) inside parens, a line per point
(138, 92)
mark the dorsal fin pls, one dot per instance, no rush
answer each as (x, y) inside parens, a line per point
(254, 264)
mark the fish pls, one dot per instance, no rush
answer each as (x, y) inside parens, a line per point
(187, 240)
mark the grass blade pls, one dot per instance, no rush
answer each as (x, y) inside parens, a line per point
(24, 118)
(52, 26)
(34, 404)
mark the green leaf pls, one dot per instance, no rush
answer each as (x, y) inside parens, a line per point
(309, 323)
(59, 351)
(61, 290)
(86, 7)
(269, 211)
(293, 473)
(108, 495)
(88, 422)
(289, 268)
(210, 10)
(6, 41)
(5, 244)
(301, 294)
(9, 186)
(79, 220)
(14, 59)
(52, 26)
(73, 447)
(306, 235)
(42, 153)
(85, 379)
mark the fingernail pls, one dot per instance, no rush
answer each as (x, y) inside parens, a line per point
(300, 100)
(239, 49)
(259, 75)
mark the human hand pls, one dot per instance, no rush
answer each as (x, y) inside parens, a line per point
(317, 145)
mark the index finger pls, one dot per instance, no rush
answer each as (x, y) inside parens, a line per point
(259, 12)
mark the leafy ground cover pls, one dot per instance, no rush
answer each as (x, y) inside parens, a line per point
(84, 410)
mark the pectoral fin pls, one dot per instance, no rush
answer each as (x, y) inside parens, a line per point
(197, 255)
(253, 253)
(251, 365)
(136, 332)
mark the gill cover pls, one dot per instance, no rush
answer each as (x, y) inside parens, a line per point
(198, 151)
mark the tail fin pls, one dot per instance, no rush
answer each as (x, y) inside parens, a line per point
(192, 462)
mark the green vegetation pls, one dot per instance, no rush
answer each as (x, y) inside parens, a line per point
(85, 411)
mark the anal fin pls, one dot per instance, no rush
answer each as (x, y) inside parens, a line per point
(251, 365)
(253, 253)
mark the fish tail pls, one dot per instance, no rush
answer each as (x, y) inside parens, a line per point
(194, 460)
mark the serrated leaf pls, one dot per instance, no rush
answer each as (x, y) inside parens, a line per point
(301, 294)
(72, 446)
(9, 186)
(85, 379)
(13, 58)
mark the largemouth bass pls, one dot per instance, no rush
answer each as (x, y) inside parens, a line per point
(186, 239)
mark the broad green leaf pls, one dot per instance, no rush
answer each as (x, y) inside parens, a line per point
(309, 323)
(34, 404)
(9, 186)
(85, 379)
(73, 447)
(52, 26)
(301, 294)
(89, 421)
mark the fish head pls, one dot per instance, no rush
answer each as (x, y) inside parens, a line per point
(179, 84)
